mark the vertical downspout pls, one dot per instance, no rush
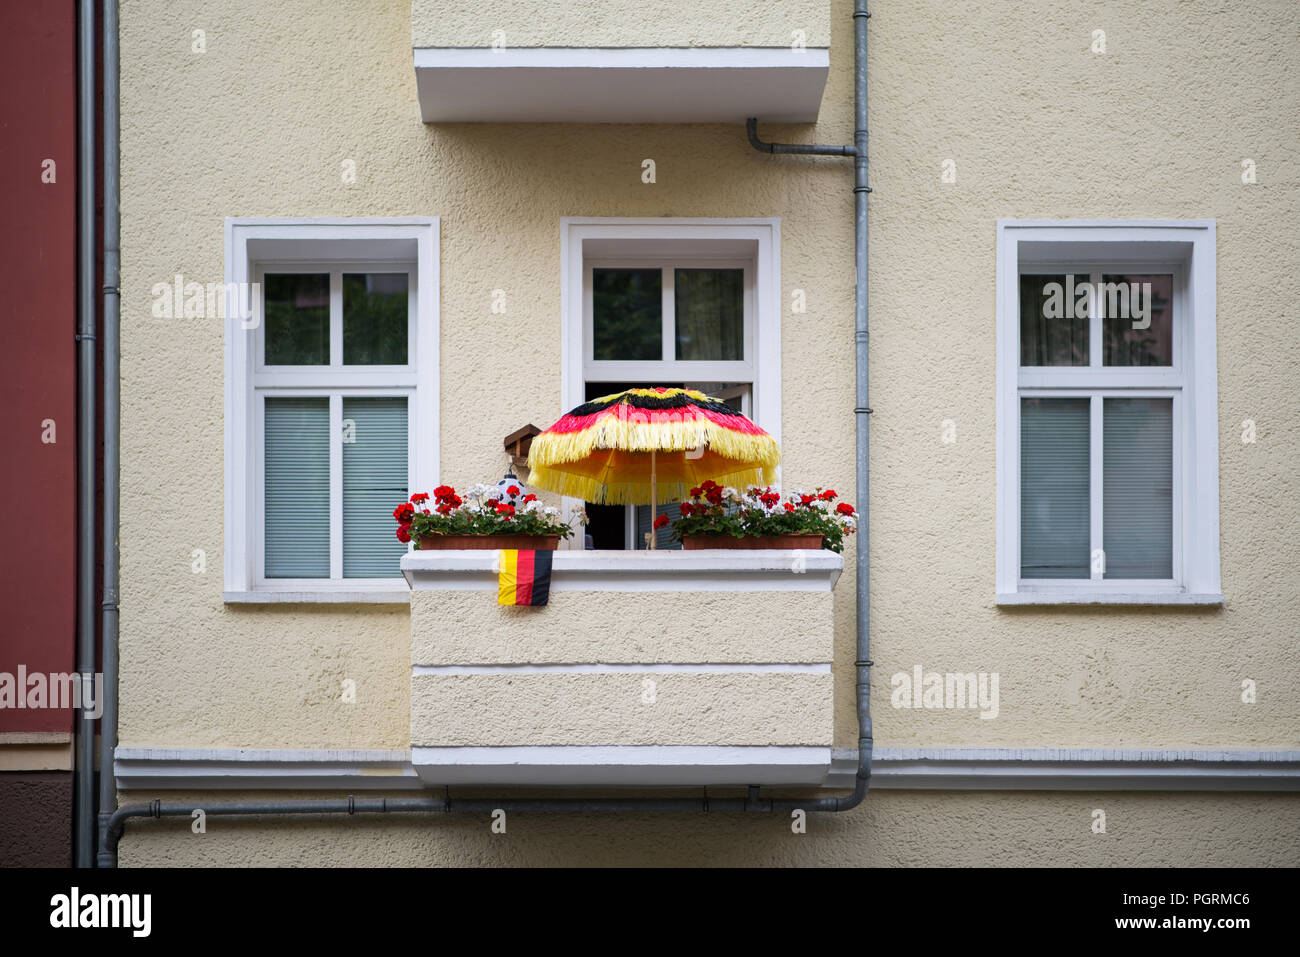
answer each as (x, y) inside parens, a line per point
(84, 830)
(862, 407)
(112, 419)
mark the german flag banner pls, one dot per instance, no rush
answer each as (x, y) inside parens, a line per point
(525, 577)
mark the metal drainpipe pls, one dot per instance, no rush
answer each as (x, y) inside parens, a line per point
(861, 407)
(112, 420)
(84, 830)
(112, 832)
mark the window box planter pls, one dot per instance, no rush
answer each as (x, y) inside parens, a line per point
(542, 543)
(751, 541)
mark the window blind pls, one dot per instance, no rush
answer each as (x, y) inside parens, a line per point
(1137, 487)
(663, 536)
(374, 482)
(297, 532)
(1054, 504)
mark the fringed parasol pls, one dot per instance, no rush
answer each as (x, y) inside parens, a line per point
(650, 445)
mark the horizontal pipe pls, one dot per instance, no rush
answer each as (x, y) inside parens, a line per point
(112, 834)
(811, 149)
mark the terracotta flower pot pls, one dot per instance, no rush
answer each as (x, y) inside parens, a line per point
(761, 541)
(541, 543)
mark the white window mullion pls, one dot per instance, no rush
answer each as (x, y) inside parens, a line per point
(1095, 351)
(336, 486)
(336, 318)
(1095, 488)
(1096, 449)
(669, 316)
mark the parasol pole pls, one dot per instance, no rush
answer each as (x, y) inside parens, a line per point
(654, 489)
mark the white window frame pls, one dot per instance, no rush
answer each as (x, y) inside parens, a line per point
(667, 368)
(1187, 250)
(255, 247)
(667, 243)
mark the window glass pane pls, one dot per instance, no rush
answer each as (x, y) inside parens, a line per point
(1137, 487)
(374, 319)
(732, 393)
(374, 482)
(297, 312)
(1054, 504)
(627, 313)
(710, 313)
(663, 536)
(297, 488)
(1137, 319)
(1053, 321)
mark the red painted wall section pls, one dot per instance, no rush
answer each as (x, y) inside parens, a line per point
(38, 428)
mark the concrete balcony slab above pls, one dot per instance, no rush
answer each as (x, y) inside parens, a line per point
(625, 85)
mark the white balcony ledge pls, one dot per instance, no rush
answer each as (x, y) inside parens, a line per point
(710, 569)
(628, 85)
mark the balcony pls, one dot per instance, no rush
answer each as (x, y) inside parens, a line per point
(658, 61)
(645, 669)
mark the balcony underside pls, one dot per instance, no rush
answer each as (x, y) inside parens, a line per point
(675, 85)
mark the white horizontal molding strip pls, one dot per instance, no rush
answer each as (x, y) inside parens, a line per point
(257, 768)
(823, 668)
(954, 769)
(621, 58)
(620, 85)
(708, 569)
(1053, 769)
(624, 766)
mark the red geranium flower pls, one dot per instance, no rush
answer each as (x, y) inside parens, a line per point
(844, 508)
(827, 495)
(513, 490)
(444, 491)
(404, 512)
(661, 521)
(420, 497)
(807, 499)
(789, 506)
(530, 497)
(403, 533)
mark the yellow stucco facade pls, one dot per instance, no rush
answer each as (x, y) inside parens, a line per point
(1035, 124)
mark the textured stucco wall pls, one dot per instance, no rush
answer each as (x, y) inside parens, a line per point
(1037, 125)
(450, 628)
(596, 709)
(893, 828)
(619, 23)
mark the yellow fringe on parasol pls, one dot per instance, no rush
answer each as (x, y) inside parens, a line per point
(606, 450)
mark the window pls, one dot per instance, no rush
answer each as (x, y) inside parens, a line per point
(688, 303)
(1107, 415)
(330, 376)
